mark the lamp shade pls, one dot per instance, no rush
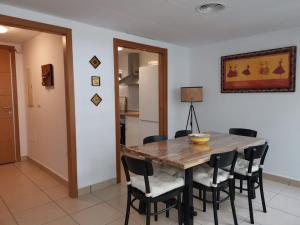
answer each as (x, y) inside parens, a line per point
(191, 94)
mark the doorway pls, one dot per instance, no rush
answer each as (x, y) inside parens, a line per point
(69, 91)
(162, 91)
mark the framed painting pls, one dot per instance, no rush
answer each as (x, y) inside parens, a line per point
(263, 71)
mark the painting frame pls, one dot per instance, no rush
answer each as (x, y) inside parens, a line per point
(291, 51)
(95, 81)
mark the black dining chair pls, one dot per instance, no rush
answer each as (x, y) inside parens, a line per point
(146, 187)
(212, 178)
(243, 132)
(182, 133)
(250, 169)
(154, 138)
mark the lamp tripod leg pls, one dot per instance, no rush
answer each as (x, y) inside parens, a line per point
(195, 118)
(187, 122)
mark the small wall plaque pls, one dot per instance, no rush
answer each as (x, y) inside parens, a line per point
(95, 81)
(96, 99)
(47, 75)
(95, 62)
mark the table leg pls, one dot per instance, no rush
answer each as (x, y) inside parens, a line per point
(188, 207)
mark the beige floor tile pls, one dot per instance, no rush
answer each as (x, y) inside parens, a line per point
(63, 221)
(286, 204)
(121, 221)
(40, 215)
(5, 217)
(19, 201)
(291, 191)
(111, 192)
(57, 192)
(72, 205)
(97, 215)
(119, 203)
(45, 181)
(273, 186)
(26, 167)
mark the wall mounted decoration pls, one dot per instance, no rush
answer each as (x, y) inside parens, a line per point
(95, 81)
(47, 75)
(95, 62)
(96, 99)
(263, 71)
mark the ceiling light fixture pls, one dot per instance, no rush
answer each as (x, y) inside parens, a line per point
(120, 49)
(3, 29)
(210, 8)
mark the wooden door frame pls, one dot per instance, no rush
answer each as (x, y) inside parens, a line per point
(163, 90)
(69, 87)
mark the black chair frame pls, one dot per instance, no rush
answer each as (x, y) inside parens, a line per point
(243, 132)
(219, 161)
(254, 179)
(154, 138)
(182, 133)
(144, 168)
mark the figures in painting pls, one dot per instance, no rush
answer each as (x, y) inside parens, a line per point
(247, 71)
(232, 72)
(279, 70)
(264, 68)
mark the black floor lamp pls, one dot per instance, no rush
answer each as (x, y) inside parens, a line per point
(192, 94)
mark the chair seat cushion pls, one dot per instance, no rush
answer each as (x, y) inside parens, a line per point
(242, 165)
(160, 183)
(204, 175)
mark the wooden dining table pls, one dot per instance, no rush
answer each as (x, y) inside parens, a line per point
(183, 154)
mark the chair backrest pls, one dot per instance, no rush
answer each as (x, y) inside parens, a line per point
(155, 138)
(256, 152)
(182, 133)
(243, 132)
(142, 167)
(222, 160)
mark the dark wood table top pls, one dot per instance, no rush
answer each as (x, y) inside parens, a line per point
(183, 154)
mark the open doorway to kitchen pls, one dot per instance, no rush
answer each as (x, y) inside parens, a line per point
(139, 67)
(32, 51)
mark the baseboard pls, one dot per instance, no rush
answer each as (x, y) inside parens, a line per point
(49, 171)
(282, 179)
(96, 187)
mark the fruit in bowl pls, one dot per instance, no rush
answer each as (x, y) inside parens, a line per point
(199, 138)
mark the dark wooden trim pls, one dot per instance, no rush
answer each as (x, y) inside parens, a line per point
(69, 87)
(163, 90)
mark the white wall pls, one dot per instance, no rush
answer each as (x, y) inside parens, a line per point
(96, 125)
(46, 119)
(21, 97)
(276, 116)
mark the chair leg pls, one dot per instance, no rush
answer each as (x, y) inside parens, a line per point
(218, 199)
(167, 212)
(155, 211)
(249, 188)
(128, 207)
(261, 186)
(231, 195)
(179, 209)
(214, 199)
(148, 212)
(241, 186)
(204, 201)
(200, 194)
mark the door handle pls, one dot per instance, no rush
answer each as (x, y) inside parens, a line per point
(8, 109)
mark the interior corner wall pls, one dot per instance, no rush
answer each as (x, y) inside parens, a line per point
(20, 97)
(95, 126)
(46, 114)
(276, 116)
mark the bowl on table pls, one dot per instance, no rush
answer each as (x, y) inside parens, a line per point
(199, 138)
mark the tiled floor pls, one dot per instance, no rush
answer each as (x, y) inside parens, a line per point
(29, 196)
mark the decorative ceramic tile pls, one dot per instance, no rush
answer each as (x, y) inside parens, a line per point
(96, 81)
(96, 99)
(95, 62)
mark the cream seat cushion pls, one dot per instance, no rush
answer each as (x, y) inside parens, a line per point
(204, 175)
(242, 165)
(160, 183)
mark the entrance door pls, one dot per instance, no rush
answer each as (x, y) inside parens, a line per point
(7, 136)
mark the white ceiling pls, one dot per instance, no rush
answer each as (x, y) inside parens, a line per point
(175, 20)
(17, 36)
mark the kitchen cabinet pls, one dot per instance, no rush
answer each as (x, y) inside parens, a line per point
(132, 130)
